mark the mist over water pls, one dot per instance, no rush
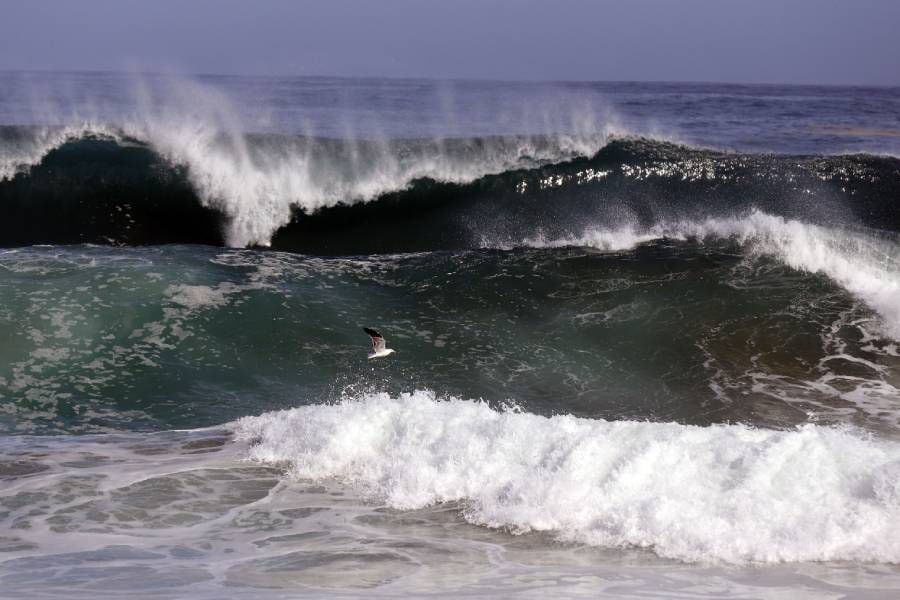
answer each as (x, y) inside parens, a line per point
(647, 335)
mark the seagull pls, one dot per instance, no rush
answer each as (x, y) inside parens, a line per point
(378, 344)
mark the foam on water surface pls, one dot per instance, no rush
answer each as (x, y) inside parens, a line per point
(412, 495)
(721, 493)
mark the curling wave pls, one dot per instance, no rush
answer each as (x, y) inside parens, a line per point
(865, 263)
(322, 196)
(259, 183)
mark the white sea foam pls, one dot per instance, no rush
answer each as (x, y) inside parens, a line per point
(726, 493)
(202, 296)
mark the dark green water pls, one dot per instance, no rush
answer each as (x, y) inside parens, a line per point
(187, 336)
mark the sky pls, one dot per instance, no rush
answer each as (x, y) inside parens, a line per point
(752, 41)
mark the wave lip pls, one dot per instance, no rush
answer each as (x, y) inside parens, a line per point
(22, 148)
(724, 493)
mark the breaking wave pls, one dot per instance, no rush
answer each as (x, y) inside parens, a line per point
(259, 183)
(318, 196)
(727, 493)
(865, 263)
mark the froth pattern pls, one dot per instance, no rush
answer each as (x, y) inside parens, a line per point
(724, 493)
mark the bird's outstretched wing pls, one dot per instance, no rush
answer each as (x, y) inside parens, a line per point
(378, 343)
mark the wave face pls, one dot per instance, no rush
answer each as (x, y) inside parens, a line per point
(698, 331)
(728, 492)
(328, 197)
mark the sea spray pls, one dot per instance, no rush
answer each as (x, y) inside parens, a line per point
(258, 183)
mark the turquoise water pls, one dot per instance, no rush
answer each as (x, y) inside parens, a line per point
(187, 336)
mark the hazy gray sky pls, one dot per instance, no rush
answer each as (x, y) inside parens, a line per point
(797, 41)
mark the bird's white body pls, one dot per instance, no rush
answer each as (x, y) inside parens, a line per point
(379, 348)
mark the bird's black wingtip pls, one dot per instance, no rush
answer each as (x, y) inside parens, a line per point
(371, 332)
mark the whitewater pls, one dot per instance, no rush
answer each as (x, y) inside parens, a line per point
(723, 493)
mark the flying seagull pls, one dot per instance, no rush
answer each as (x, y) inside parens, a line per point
(378, 344)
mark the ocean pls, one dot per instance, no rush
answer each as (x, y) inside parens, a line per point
(647, 338)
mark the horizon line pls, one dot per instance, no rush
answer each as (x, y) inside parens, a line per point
(182, 73)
